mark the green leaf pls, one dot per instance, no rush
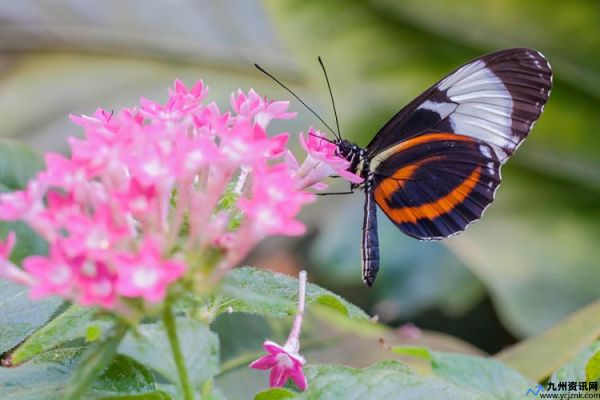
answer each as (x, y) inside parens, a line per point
(69, 325)
(256, 291)
(93, 333)
(387, 379)
(19, 316)
(123, 376)
(150, 346)
(486, 375)
(18, 164)
(44, 377)
(156, 395)
(93, 361)
(539, 356)
(576, 368)
(275, 394)
(592, 368)
(413, 351)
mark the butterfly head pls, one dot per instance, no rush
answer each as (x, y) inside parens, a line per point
(350, 152)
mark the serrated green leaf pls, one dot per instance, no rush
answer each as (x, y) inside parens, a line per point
(19, 316)
(70, 324)
(257, 291)
(150, 346)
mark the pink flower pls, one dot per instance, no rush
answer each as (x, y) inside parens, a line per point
(54, 274)
(145, 273)
(285, 361)
(187, 99)
(22, 204)
(96, 284)
(322, 161)
(252, 106)
(150, 186)
(275, 202)
(283, 364)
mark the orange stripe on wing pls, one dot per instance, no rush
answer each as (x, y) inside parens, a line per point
(407, 144)
(444, 205)
(431, 137)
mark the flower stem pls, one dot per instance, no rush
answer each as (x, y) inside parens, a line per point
(171, 328)
(293, 342)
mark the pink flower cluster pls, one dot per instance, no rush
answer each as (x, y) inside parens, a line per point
(151, 189)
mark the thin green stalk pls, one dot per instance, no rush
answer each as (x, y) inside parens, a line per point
(170, 326)
(97, 357)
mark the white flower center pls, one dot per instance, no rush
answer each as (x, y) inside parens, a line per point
(102, 288)
(154, 168)
(275, 193)
(89, 269)
(145, 277)
(60, 275)
(194, 158)
(284, 360)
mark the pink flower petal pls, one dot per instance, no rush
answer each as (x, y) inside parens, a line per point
(278, 376)
(266, 362)
(298, 377)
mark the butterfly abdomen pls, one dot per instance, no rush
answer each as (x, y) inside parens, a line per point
(370, 240)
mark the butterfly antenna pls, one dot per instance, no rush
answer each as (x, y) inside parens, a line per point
(337, 122)
(297, 98)
(322, 138)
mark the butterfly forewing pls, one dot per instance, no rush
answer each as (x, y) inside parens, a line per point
(495, 99)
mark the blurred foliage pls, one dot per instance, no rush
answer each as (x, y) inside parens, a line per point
(537, 357)
(535, 250)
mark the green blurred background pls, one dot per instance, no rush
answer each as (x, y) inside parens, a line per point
(535, 256)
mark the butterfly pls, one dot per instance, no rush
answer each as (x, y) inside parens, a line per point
(434, 167)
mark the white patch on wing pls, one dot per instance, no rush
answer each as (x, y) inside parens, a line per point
(485, 151)
(484, 107)
(491, 170)
(443, 109)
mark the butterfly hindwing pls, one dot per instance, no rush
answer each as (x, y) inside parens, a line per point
(495, 99)
(436, 184)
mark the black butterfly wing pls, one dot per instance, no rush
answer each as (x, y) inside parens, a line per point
(495, 99)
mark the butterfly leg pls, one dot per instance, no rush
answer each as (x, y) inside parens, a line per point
(336, 193)
(370, 240)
